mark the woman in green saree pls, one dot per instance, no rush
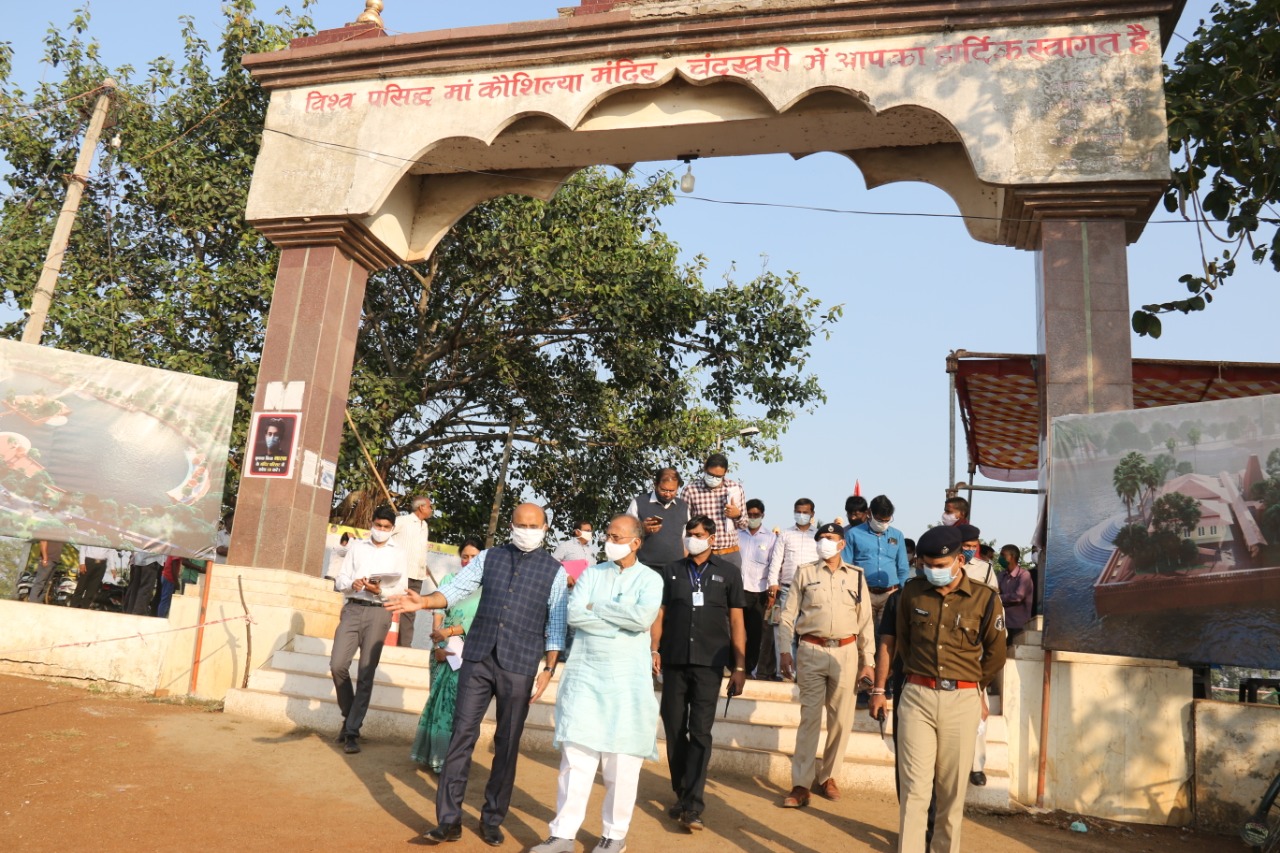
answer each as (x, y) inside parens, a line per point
(435, 726)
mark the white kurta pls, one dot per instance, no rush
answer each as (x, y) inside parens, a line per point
(605, 701)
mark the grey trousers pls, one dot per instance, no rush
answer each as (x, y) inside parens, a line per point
(363, 628)
(44, 571)
(407, 619)
(478, 683)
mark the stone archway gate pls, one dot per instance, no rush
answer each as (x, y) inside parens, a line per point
(1042, 119)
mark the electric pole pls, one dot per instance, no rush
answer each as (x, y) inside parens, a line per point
(43, 297)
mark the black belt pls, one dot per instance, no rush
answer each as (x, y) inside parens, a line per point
(881, 590)
(364, 603)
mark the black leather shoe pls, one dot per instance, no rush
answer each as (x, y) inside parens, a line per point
(978, 778)
(342, 737)
(692, 822)
(351, 747)
(444, 832)
(492, 835)
(675, 811)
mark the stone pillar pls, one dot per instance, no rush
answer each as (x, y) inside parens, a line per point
(1082, 308)
(311, 339)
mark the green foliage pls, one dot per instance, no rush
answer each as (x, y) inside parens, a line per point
(1176, 512)
(1221, 99)
(162, 270)
(1127, 479)
(570, 324)
(598, 352)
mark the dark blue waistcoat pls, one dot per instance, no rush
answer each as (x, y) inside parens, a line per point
(512, 617)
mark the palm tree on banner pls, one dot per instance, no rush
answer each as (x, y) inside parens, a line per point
(1128, 480)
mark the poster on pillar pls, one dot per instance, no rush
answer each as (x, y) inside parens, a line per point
(273, 443)
(99, 452)
(1164, 533)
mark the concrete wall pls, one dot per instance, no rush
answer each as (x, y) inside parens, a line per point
(127, 652)
(1119, 735)
(156, 655)
(1237, 754)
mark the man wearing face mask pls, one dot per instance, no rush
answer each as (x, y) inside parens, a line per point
(880, 551)
(796, 546)
(721, 500)
(950, 636)
(663, 514)
(756, 545)
(955, 510)
(374, 568)
(579, 547)
(698, 633)
(606, 713)
(521, 616)
(829, 610)
(975, 567)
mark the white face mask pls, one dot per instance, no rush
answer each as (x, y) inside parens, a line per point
(616, 551)
(712, 482)
(527, 540)
(696, 546)
(803, 518)
(754, 523)
(828, 548)
(949, 519)
(380, 536)
(876, 525)
(582, 536)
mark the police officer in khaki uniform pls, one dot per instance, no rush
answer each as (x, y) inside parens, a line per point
(951, 640)
(829, 610)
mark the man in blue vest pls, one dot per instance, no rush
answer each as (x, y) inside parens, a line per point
(522, 614)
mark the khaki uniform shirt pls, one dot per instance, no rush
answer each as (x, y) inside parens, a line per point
(942, 637)
(982, 572)
(831, 605)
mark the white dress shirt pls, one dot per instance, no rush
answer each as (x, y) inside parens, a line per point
(412, 535)
(366, 559)
(795, 548)
(757, 553)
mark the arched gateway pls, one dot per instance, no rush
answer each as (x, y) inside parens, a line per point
(1043, 121)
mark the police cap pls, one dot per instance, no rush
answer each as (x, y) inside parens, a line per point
(939, 542)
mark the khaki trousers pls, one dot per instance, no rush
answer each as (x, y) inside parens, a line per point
(878, 601)
(936, 732)
(826, 679)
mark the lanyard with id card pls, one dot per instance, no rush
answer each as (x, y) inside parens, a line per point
(695, 581)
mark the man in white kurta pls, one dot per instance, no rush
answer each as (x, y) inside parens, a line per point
(606, 712)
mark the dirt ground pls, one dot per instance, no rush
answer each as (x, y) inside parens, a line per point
(82, 770)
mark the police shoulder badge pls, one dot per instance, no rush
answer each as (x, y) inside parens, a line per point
(1000, 623)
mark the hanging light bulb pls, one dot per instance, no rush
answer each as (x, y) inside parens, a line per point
(687, 180)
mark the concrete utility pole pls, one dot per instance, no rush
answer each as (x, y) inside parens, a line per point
(43, 296)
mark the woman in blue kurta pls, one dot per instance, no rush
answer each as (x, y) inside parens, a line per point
(606, 712)
(435, 726)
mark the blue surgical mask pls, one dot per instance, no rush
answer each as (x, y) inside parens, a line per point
(938, 577)
(968, 555)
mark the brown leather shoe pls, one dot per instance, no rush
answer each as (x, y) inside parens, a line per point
(798, 798)
(829, 790)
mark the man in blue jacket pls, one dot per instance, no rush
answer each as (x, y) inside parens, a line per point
(522, 615)
(880, 551)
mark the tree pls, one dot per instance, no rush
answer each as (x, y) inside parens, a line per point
(1193, 438)
(1220, 96)
(597, 352)
(161, 269)
(1127, 478)
(1176, 512)
(595, 348)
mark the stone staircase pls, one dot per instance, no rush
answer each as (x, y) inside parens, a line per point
(756, 738)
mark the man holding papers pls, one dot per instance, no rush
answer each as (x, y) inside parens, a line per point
(374, 569)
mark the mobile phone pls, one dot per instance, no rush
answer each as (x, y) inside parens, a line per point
(656, 518)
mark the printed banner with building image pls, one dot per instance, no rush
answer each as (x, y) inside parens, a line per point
(99, 452)
(1164, 533)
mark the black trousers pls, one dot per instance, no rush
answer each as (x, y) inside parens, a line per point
(753, 615)
(89, 584)
(143, 581)
(688, 709)
(405, 639)
(478, 683)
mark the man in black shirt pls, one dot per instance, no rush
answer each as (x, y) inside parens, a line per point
(699, 631)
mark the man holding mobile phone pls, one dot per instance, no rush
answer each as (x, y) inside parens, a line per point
(374, 569)
(663, 514)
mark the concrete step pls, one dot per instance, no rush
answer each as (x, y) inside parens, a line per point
(756, 738)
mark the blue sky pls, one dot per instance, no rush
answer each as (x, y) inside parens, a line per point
(913, 288)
